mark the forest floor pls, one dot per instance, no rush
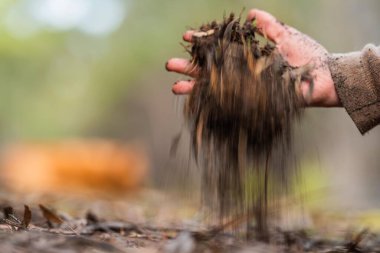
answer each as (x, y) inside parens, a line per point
(154, 223)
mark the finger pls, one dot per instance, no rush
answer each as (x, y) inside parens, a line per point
(183, 87)
(268, 25)
(188, 36)
(181, 66)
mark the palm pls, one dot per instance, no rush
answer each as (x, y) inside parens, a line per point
(298, 50)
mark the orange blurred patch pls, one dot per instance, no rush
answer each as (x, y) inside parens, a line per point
(74, 166)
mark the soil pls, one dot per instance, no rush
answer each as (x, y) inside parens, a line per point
(241, 114)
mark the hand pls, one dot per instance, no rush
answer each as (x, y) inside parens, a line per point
(297, 49)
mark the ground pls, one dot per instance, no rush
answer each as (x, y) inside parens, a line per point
(151, 222)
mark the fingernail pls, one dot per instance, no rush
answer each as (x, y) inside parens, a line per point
(166, 65)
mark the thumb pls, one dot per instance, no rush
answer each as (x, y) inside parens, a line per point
(268, 25)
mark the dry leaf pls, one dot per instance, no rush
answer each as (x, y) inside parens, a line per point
(27, 216)
(50, 215)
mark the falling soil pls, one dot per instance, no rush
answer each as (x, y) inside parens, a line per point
(241, 113)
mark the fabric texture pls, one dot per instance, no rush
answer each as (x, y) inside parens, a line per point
(357, 81)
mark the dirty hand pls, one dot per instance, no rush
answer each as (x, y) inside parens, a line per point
(297, 49)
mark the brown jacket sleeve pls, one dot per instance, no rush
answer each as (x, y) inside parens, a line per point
(357, 81)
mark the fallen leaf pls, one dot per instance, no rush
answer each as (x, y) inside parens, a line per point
(50, 215)
(27, 216)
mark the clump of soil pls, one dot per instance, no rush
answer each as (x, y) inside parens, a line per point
(241, 113)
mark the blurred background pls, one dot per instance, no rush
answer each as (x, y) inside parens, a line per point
(85, 101)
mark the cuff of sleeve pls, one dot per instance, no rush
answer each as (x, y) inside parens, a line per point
(354, 85)
(367, 117)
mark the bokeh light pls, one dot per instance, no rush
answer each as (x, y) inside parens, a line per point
(94, 17)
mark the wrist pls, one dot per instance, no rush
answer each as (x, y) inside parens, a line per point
(323, 94)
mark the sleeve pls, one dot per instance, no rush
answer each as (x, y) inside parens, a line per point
(357, 81)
